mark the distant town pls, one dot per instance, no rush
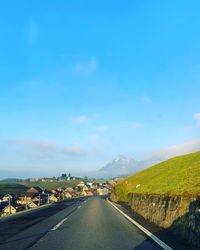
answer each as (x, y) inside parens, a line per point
(47, 190)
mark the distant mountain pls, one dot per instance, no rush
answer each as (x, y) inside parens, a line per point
(121, 166)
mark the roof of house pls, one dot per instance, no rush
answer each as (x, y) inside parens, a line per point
(35, 202)
(54, 195)
(72, 193)
(32, 195)
(88, 191)
(34, 190)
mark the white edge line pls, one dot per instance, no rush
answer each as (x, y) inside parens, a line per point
(59, 224)
(152, 236)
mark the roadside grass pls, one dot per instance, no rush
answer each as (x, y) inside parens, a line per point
(176, 176)
(12, 188)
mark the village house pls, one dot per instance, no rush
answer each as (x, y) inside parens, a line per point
(109, 186)
(54, 191)
(71, 189)
(7, 197)
(95, 185)
(34, 179)
(3, 203)
(33, 204)
(73, 194)
(54, 198)
(34, 190)
(68, 195)
(102, 191)
(85, 187)
(33, 194)
(39, 199)
(26, 198)
(45, 179)
(87, 193)
(81, 184)
(13, 209)
(89, 184)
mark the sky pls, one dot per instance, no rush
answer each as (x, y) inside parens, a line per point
(84, 81)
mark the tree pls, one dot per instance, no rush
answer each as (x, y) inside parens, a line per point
(63, 176)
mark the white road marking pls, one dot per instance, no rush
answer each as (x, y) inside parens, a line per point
(79, 206)
(59, 224)
(152, 236)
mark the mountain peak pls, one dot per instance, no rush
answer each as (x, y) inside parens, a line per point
(121, 165)
(119, 158)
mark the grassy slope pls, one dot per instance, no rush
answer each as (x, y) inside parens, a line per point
(52, 185)
(20, 188)
(176, 176)
(12, 188)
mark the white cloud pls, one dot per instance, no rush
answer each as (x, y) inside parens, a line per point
(79, 119)
(74, 150)
(197, 117)
(43, 149)
(173, 151)
(87, 67)
(33, 32)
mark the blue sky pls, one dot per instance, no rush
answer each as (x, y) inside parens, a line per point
(84, 81)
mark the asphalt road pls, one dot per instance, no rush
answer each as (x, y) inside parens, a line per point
(84, 223)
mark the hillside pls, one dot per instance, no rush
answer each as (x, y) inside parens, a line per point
(12, 188)
(176, 176)
(52, 185)
(18, 189)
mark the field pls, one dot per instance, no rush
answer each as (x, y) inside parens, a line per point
(12, 188)
(52, 185)
(20, 188)
(176, 176)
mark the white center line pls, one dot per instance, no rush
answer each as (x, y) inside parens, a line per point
(58, 225)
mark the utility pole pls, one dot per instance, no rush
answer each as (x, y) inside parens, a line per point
(26, 202)
(9, 206)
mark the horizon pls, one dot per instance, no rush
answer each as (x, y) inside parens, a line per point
(82, 83)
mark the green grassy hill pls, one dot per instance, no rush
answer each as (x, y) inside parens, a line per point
(12, 188)
(176, 176)
(52, 185)
(18, 189)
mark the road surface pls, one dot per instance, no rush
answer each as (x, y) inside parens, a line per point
(84, 223)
